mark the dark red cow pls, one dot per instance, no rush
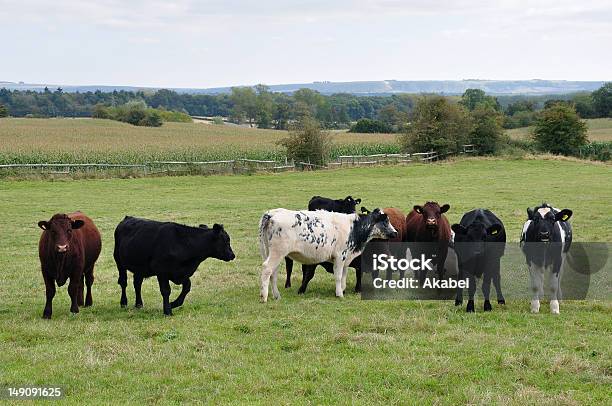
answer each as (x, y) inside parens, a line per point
(68, 248)
(427, 224)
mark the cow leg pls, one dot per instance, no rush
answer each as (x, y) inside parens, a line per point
(358, 274)
(49, 293)
(308, 272)
(181, 297)
(459, 296)
(471, 291)
(497, 283)
(80, 288)
(275, 291)
(268, 267)
(122, 281)
(137, 289)
(486, 290)
(89, 279)
(73, 288)
(554, 283)
(344, 275)
(537, 277)
(164, 288)
(289, 266)
(338, 270)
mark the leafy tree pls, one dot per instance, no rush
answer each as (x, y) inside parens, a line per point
(437, 125)
(392, 117)
(520, 105)
(101, 111)
(3, 111)
(560, 130)
(366, 125)
(487, 130)
(152, 118)
(584, 105)
(308, 143)
(473, 97)
(245, 104)
(602, 100)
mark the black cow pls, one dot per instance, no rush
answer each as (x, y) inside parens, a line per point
(346, 205)
(545, 241)
(170, 251)
(479, 243)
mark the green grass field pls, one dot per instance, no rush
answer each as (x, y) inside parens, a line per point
(106, 141)
(599, 129)
(223, 346)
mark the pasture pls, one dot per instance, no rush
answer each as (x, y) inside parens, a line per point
(224, 346)
(107, 141)
(599, 129)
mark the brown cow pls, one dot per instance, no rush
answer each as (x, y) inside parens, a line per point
(427, 224)
(68, 248)
(397, 218)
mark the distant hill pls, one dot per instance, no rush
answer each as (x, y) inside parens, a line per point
(449, 87)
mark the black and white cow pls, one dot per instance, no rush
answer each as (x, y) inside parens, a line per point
(545, 241)
(312, 237)
(479, 243)
(347, 206)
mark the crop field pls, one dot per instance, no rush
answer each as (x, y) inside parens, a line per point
(106, 141)
(223, 346)
(599, 129)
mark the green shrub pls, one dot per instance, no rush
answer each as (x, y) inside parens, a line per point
(366, 125)
(487, 128)
(308, 143)
(559, 130)
(218, 120)
(3, 111)
(171, 116)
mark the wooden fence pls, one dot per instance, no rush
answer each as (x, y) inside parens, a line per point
(228, 166)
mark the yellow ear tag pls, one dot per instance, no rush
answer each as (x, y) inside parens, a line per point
(565, 217)
(494, 232)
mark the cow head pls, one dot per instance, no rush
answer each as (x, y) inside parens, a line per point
(432, 213)
(59, 229)
(349, 204)
(543, 219)
(474, 236)
(383, 228)
(221, 244)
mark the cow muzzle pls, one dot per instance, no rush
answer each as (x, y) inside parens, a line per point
(431, 223)
(62, 248)
(544, 236)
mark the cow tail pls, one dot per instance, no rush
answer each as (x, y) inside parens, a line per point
(263, 235)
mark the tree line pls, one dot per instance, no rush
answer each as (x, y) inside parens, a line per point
(260, 107)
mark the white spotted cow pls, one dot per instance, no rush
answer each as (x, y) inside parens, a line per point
(312, 237)
(545, 241)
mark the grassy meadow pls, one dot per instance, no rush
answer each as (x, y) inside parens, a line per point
(599, 129)
(105, 141)
(223, 346)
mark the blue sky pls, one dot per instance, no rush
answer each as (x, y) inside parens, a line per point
(218, 43)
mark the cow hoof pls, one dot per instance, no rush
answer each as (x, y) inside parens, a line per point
(263, 299)
(138, 305)
(357, 290)
(458, 302)
(46, 316)
(88, 304)
(501, 301)
(123, 304)
(287, 285)
(487, 306)
(470, 307)
(301, 291)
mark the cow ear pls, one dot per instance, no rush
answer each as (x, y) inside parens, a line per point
(494, 229)
(563, 215)
(218, 227)
(204, 226)
(445, 208)
(364, 210)
(76, 224)
(43, 224)
(529, 213)
(418, 209)
(357, 201)
(458, 229)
